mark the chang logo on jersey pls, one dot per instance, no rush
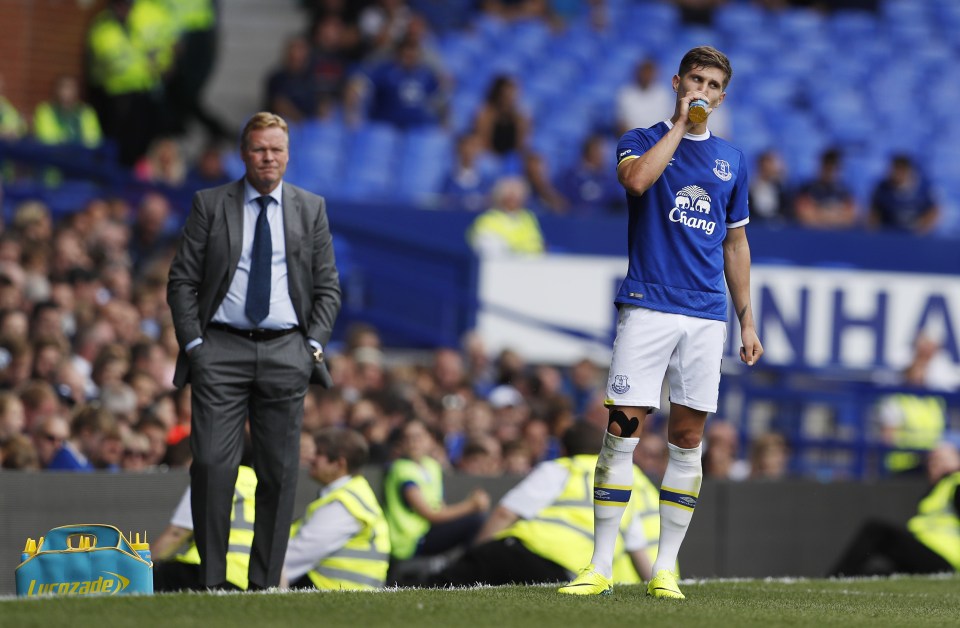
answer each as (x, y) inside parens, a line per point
(722, 170)
(689, 202)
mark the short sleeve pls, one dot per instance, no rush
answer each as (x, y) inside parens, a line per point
(632, 144)
(738, 213)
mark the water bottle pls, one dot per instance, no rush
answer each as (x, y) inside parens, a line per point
(29, 550)
(697, 112)
(142, 548)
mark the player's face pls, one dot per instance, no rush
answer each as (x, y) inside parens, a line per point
(706, 83)
(265, 156)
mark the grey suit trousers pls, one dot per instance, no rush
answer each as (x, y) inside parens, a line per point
(233, 379)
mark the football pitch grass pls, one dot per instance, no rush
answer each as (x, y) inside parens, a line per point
(897, 601)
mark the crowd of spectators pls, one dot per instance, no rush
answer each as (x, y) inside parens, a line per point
(86, 346)
(87, 353)
(377, 62)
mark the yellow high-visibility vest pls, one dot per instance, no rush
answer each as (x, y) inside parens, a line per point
(937, 523)
(241, 531)
(363, 561)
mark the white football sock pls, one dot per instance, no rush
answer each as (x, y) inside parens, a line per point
(612, 486)
(678, 498)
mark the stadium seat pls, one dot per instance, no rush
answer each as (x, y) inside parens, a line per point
(371, 152)
(422, 159)
(735, 19)
(853, 27)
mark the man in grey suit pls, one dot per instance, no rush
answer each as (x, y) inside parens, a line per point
(254, 292)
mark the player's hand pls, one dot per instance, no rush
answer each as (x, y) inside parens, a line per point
(688, 98)
(751, 350)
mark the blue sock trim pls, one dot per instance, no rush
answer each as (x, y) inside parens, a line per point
(680, 499)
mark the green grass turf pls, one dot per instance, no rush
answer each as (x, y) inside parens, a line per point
(899, 601)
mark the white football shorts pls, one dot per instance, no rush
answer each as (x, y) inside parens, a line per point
(650, 344)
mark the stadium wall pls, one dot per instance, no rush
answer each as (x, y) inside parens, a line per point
(755, 529)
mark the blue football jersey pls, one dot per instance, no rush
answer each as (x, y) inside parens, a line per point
(677, 227)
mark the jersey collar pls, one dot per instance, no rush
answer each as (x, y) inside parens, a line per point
(690, 136)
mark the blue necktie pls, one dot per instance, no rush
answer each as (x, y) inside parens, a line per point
(258, 285)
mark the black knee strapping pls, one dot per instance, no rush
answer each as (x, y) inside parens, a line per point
(627, 426)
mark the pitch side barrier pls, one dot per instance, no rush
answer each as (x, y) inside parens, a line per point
(749, 529)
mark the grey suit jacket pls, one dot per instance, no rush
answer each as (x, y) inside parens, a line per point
(209, 252)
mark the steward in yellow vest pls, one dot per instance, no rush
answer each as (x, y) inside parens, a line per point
(508, 227)
(131, 46)
(176, 558)
(65, 119)
(930, 542)
(421, 523)
(542, 529)
(342, 542)
(913, 422)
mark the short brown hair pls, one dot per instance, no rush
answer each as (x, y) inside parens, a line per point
(337, 442)
(262, 120)
(706, 57)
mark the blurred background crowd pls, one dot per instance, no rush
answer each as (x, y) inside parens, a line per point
(846, 108)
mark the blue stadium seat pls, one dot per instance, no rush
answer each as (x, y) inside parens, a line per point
(797, 25)
(371, 152)
(316, 148)
(740, 20)
(853, 28)
(423, 157)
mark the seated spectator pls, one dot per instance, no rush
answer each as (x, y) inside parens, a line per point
(769, 457)
(481, 457)
(136, 449)
(49, 436)
(164, 163)
(421, 523)
(89, 426)
(652, 455)
(517, 458)
(329, 65)
(152, 234)
(508, 227)
(383, 24)
(500, 123)
(19, 453)
(290, 91)
(903, 200)
(467, 184)
(591, 185)
(721, 452)
(402, 91)
(826, 202)
(928, 543)
(769, 197)
(643, 102)
(342, 542)
(542, 529)
(65, 119)
(12, 420)
(209, 170)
